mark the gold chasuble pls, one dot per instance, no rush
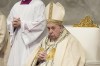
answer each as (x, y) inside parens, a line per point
(66, 51)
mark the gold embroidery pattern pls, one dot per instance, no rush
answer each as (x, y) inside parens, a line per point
(50, 10)
(86, 22)
(51, 54)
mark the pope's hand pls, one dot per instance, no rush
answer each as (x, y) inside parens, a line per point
(42, 56)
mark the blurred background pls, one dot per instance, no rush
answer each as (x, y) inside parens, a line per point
(75, 9)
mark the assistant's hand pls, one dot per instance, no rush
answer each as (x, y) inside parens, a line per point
(16, 22)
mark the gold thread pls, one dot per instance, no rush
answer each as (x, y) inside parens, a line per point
(50, 10)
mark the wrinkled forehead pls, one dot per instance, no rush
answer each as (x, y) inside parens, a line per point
(54, 23)
(49, 25)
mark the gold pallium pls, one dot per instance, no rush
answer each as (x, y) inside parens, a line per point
(86, 22)
(40, 50)
(51, 54)
(36, 56)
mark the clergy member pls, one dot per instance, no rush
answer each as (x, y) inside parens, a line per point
(4, 41)
(59, 47)
(26, 24)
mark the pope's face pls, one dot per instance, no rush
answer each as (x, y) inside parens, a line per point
(54, 31)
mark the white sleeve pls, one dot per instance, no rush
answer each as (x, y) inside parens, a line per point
(36, 27)
(39, 19)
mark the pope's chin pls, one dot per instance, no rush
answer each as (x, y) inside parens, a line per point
(52, 38)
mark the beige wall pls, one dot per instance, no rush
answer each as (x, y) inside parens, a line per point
(6, 5)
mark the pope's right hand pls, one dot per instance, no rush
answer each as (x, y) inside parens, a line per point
(42, 56)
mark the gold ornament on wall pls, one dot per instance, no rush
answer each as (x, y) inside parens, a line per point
(86, 22)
